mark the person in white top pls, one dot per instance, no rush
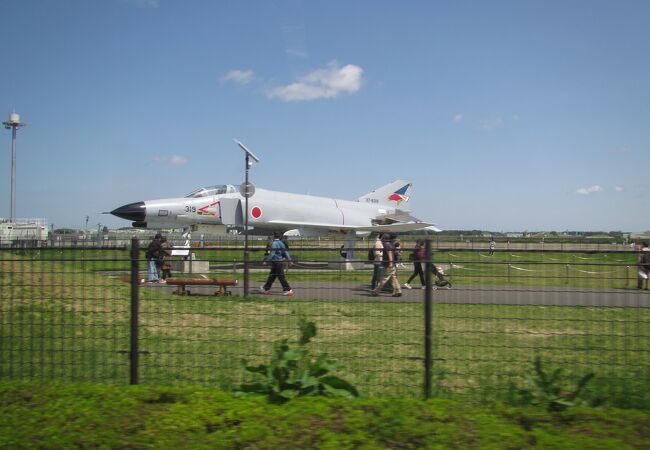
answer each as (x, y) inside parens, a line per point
(377, 269)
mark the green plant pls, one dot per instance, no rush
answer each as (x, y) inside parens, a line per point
(549, 389)
(294, 373)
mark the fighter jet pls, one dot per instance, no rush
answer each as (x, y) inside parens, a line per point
(384, 209)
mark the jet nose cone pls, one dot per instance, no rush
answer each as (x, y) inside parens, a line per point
(135, 212)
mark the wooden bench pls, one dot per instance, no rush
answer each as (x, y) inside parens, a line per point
(183, 282)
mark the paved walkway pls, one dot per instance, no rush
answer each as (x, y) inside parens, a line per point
(490, 295)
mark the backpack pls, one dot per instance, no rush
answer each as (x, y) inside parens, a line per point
(371, 254)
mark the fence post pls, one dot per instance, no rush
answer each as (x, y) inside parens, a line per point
(427, 320)
(135, 286)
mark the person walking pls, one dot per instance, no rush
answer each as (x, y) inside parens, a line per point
(390, 271)
(643, 264)
(276, 257)
(417, 256)
(153, 257)
(493, 245)
(377, 267)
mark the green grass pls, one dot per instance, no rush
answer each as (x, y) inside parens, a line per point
(65, 415)
(62, 320)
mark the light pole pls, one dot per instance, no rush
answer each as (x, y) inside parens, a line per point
(13, 123)
(247, 190)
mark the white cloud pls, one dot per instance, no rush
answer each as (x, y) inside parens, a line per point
(491, 123)
(589, 190)
(458, 118)
(321, 83)
(174, 160)
(619, 188)
(238, 76)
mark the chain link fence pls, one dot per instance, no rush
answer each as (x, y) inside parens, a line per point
(81, 314)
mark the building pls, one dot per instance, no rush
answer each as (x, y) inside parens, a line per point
(22, 232)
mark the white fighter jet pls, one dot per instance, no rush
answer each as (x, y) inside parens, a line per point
(384, 209)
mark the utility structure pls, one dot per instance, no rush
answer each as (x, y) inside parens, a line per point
(13, 123)
(247, 190)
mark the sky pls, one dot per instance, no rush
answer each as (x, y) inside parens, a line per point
(517, 115)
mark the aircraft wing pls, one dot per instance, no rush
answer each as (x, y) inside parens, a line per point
(400, 217)
(324, 226)
(400, 227)
(397, 227)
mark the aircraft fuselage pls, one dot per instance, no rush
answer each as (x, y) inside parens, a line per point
(266, 210)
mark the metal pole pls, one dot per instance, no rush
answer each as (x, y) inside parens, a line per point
(247, 193)
(135, 309)
(246, 255)
(427, 320)
(13, 173)
(14, 123)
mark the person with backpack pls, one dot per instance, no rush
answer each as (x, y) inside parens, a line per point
(643, 263)
(276, 257)
(417, 257)
(389, 262)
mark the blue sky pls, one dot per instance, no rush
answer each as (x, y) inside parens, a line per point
(505, 115)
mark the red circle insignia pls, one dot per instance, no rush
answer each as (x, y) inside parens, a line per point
(256, 212)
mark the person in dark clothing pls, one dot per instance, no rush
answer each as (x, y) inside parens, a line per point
(417, 256)
(165, 258)
(643, 263)
(153, 256)
(276, 257)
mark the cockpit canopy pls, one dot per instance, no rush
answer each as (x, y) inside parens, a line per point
(209, 191)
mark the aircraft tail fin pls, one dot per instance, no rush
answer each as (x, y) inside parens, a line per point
(395, 194)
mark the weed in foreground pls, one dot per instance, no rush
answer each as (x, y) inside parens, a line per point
(550, 390)
(294, 373)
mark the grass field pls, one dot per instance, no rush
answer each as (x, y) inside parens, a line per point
(568, 269)
(65, 318)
